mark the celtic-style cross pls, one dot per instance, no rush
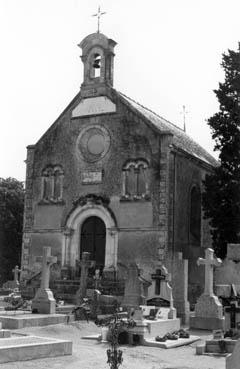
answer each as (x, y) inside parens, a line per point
(98, 15)
(209, 262)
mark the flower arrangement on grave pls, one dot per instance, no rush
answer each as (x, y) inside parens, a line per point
(116, 324)
(15, 302)
(82, 311)
(181, 333)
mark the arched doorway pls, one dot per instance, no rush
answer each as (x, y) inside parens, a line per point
(71, 252)
(93, 240)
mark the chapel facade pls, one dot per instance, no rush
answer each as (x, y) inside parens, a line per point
(115, 179)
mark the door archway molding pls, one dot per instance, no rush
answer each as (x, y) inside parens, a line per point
(72, 234)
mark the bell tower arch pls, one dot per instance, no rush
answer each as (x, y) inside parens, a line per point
(97, 57)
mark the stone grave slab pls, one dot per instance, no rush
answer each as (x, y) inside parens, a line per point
(32, 347)
(170, 343)
(146, 328)
(20, 320)
(212, 347)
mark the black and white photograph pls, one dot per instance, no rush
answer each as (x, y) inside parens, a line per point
(120, 184)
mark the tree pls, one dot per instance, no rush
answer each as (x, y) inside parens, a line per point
(11, 222)
(221, 199)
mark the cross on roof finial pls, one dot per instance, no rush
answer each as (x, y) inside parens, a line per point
(98, 15)
(184, 112)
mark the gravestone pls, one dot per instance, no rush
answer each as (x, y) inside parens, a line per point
(133, 297)
(232, 316)
(44, 302)
(160, 288)
(97, 279)
(179, 272)
(85, 264)
(229, 272)
(208, 309)
(16, 271)
(95, 303)
(15, 283)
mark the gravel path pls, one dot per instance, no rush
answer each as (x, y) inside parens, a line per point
(92, 355)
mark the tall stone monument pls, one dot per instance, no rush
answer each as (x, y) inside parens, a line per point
(208, 309)
(85, 264)
(44, 302)
(133, 296)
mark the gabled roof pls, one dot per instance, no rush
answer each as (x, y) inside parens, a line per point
(180, 139)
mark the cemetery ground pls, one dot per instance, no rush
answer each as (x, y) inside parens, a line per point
(89, 354)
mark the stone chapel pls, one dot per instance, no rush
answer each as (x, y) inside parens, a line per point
(115, 179)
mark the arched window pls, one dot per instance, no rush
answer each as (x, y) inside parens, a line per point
(130, 180)
(47, 184)
(96, 65)
(136, 180)
(195, 216)
(52, 184)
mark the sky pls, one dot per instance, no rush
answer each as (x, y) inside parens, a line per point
(168, 54)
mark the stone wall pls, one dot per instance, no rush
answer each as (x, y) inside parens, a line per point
(188, 173)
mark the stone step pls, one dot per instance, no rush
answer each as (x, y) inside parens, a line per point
(32, 347)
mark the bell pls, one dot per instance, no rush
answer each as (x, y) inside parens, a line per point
(96, 63)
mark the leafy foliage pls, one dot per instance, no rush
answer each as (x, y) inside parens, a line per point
(221, 199)
(11, 222)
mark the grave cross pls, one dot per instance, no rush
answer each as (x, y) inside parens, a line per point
(158, 277)
(16, 272)
(209, 263)
(233, 309)
(85, 264)
(47, 261)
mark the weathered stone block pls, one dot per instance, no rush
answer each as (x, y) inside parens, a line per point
(197, 322)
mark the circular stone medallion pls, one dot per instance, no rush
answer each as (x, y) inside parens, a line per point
(93, 143)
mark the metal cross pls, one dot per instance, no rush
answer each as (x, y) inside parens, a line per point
(98, 14)
(184, 113)
(158, 277)
(233, 310)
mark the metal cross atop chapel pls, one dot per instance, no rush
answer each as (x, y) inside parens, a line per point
(209, 263)
(98, 15)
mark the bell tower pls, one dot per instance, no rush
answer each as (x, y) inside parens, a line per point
(97, 57)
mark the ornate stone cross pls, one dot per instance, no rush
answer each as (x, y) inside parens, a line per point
(85, 264)
(47, 261)
(209, 263)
